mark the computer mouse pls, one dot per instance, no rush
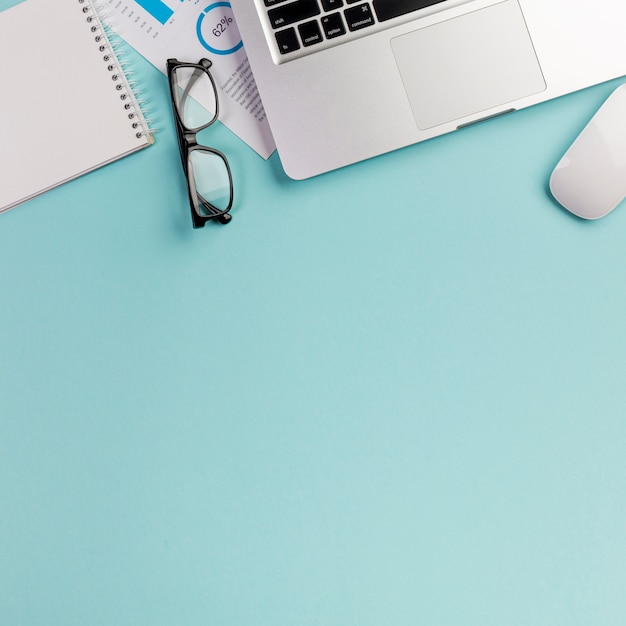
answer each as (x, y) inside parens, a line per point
(590, 179)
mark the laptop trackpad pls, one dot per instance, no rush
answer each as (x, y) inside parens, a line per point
(468, 64)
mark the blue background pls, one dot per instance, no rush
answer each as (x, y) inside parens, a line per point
(390, 395)
(6, 4)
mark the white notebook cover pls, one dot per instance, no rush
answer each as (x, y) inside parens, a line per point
(62, 114)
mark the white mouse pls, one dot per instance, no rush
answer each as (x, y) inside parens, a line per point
(590, 179)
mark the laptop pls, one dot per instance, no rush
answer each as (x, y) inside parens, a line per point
(346, 80)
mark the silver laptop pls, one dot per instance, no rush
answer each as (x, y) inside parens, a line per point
(346, 80)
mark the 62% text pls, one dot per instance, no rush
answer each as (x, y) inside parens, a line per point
(222, 25)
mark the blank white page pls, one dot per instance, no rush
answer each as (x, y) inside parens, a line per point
(61, 114)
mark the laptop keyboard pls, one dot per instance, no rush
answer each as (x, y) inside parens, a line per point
(300, 27)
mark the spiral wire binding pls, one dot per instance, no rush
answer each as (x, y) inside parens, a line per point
(111, 48)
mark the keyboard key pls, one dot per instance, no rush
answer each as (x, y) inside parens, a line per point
(287, 40)
(331, 5)
(310, 33)
(293, 12)
(359, 17)
(333, 25)
(388, 9)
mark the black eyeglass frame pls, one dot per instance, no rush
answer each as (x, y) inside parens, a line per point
(187, 143)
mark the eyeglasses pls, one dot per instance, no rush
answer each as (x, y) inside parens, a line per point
(196, 107)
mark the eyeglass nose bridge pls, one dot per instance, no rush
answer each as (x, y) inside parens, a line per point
(190, 139)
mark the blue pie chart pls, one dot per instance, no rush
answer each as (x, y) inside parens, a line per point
(217, 30)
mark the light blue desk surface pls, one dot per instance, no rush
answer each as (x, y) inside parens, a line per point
(390, 395)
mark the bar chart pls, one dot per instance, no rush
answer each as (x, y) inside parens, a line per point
(158, 9)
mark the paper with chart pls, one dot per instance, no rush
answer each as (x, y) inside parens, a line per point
(190, 30)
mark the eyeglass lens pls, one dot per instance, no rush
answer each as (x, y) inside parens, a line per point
(211, 179)
(194, 96)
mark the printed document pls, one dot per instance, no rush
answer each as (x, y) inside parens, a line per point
(189, 30)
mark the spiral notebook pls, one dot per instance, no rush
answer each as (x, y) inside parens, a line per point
(66, 105)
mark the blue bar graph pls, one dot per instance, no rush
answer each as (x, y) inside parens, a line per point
(159, 10)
